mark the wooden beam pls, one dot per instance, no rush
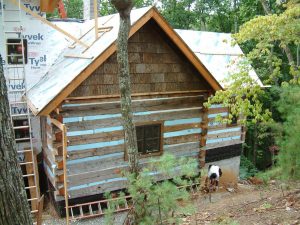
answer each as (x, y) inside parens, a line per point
(96, 19)
(57, 124)
(49, 23)
(78, 56)
(40, 211)
(135, 95)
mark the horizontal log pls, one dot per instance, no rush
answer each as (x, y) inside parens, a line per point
(181, 127)
(133, 95)
(223, 135)
(95, 152)
(98, 137)
(223, 144)
(182, 139)
(150, 116)
(85, 109)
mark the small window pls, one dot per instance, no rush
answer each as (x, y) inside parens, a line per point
(21, 130)
(14, 51)
(149, 138)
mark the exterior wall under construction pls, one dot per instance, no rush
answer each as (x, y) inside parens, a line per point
(167, 91)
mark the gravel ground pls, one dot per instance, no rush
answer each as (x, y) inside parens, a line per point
(49, 220)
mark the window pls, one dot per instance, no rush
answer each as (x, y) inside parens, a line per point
(14, 51)
(22, 131)
(149, 139)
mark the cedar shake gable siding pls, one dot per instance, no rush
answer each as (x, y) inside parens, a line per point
(156, 65)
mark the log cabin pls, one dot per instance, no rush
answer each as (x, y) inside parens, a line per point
(171, 77)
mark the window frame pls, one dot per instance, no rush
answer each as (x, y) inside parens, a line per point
(9, 49)
(161, 138)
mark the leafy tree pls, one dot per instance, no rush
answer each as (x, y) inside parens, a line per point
(289, 157)
(74, 9)
(178, 13)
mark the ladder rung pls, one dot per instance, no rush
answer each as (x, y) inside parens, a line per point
(20, 55)
(11, 10)
(12, 21)
(22, 139)
(80, 209)
(91, 210)
(24, 151)
(14, 91)
(15, 43)
(26, 188)
(25, 163)
(20, 127)
(15, 103)
(12, 32)
(16, 115)
(29, 175)
(13, 66)
(16, 78)
(32, 199)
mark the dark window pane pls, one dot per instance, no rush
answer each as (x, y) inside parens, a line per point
(148, 138)
(152, 145)
(140, 132)
(140, 146)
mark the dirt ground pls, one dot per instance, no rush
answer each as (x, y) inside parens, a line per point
(245, 204)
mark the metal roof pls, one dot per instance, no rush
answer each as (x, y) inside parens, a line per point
(210, 48)
(216, 52)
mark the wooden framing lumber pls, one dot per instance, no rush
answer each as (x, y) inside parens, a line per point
(135, 95)
(96, 19)
(49, 23)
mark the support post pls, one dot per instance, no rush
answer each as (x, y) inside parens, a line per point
(96, 19)
(203, 138)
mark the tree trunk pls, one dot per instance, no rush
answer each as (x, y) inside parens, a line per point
(14, 208)
(124, 8)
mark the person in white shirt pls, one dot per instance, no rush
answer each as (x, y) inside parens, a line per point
(214, 174)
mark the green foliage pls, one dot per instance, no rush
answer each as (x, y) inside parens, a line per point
(157, 202)
(242, 97)
(74, 9)
(266, 176)
(247, 169)
(270, 31)
(289, 157)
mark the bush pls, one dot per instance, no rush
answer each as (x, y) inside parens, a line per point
(247, 168)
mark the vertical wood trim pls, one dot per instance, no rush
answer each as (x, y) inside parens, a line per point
(65, 172)
(203, 138)
(40, 211)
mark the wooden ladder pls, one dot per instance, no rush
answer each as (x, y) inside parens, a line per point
(14, 71)
(97, 208)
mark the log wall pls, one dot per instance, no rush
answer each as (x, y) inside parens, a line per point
(96, 140)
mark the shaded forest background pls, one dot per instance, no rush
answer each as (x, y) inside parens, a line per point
(268, 31)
